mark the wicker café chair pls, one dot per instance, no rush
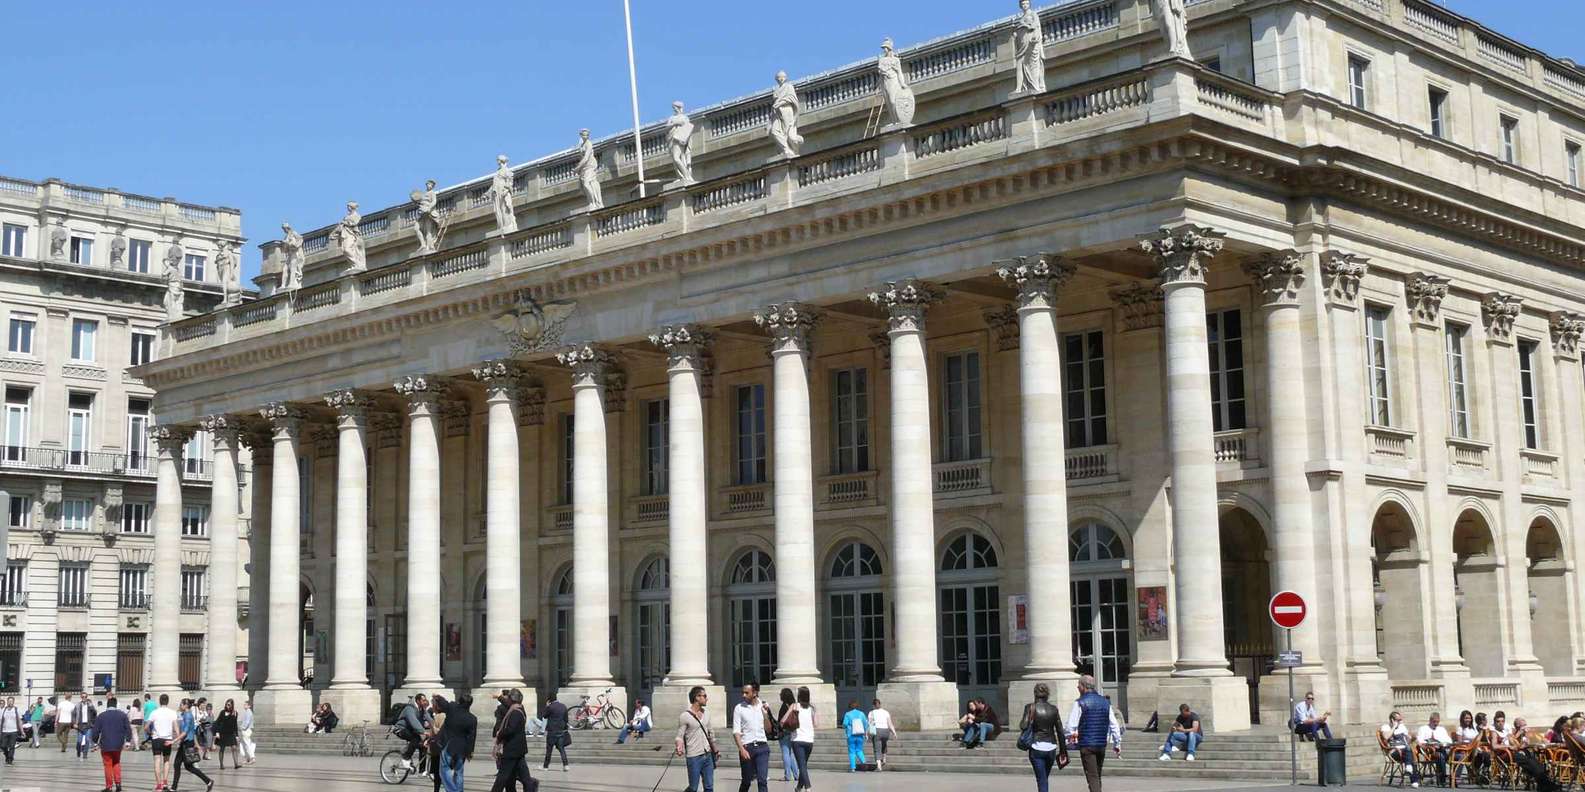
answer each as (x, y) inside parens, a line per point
(1391, 769)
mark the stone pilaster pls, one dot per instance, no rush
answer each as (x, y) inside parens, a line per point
(220, 671)
(166, 604)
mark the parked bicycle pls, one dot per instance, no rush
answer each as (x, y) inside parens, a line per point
(357, 742)
(601, 710)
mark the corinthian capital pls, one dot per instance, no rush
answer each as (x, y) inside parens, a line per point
(789, 325)
(1567, 327)
(1140, 305)
(170, 439)
(590, 364)
(1183, 253)
(1500, 312)
(501, 378)
(684, 344)
(420, 388)
(1343, 273)
(282, 416)
(906, 301)
(348, 403)
(224, 430)
(1278, 275)
(1425, 293)
(1037, 278)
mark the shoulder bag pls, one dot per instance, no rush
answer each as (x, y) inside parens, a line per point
(715, 753)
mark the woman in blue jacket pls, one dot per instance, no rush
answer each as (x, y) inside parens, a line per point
(857, 727)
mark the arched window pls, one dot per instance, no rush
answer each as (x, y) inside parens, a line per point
(751, 609)
(857, 613)
(855, 559)
(752, 567)
(561, 619)
(656, 575)
(969, 551)
(653, 622)
(971, 616)
(1094, 542)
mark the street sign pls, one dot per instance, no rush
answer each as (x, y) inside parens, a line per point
(1287, 609)
(1290, 659)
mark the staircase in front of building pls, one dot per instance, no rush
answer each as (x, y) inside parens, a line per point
(1258, 755)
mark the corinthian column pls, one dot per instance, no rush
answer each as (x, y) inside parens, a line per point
(591, 571)
(220, 672)
(1044, 468)
(283, 699)
(423, 535)
(349, 692)
(689, 626)
(924, 699)
(1183, 254)
(503, 566)
(166, 607)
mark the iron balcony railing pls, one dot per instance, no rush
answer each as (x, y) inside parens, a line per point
(135, 601)
(195, 604)
(92, 462)
(13, 599)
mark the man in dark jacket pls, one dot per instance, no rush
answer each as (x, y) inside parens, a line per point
(511, 748)
(112, 731)
(556, 737)
(456, 742)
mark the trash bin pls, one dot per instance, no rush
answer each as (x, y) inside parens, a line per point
(1331, 762)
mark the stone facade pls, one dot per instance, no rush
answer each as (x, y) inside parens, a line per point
(1026, 386)
(87, 280)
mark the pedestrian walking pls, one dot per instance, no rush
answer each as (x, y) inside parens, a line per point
(10, 729)
(112, 730)
(789, 760)
(557, 736)
(440, 707)
(41, 713)
(163, 725)
(135, 717)
(204, 711)
(749, 719)
(1092, 723)
(511, 747)
(803, 737)
(694, 743)
(1041, 734)
(187, 752)
(857, 727)
(881, 732)
(245, 732)
(84, 723)
(65, 720)
(226, 734)
(456, 739)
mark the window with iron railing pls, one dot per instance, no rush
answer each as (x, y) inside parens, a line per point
(195, 589)
(73, 591)
(14, 585)
(134, 588)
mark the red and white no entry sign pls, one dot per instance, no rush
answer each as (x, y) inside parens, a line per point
(1288, 609)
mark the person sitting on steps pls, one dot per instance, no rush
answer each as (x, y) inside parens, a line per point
(1185, 732)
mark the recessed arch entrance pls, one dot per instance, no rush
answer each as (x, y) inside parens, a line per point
(1246, 590)
(857, 612)
(971, 616)
(561, 628)
(751, 617)
(1477, 592)
(652, 603)
(1397, 574)
(1549, 611)
(1100, 583)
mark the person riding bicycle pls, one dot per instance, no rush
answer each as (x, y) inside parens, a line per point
(412, 726)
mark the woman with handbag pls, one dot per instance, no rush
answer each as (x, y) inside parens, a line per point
(187, 754)
(789, 760)
(226, 734)
(801, 721)
(1040, 734)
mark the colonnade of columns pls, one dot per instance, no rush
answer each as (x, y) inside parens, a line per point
(915, 689)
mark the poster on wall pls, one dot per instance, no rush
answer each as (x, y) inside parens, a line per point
(1018, 618)
(528, 640)
(453, 641)
(1153, 613)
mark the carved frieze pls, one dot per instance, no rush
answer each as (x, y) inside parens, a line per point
(1003, 322)
(1140, 305)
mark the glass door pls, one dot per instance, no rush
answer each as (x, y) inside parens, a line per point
(1101, 637)
(858, 644)
(971, 640)
(654, 646)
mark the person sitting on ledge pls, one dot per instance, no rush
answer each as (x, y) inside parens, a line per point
(638, 725)
(1307, 723)
(324, 720)
(980, 724)
(1185, 732)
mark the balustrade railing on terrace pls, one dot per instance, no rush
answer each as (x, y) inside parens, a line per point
(651, 509)
(1091, 462)
(969, 477)
(64, 461)
(846, 490)
(13, 599)
(742, 500)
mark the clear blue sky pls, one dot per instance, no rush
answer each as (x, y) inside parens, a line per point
(287, 109)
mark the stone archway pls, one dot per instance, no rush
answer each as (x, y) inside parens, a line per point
(1477, 592)
(1548, 606)
(1397, 573)
(1246, 590)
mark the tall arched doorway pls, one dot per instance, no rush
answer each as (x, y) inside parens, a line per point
(1549, 620)
(971, 617)
(1246, 592)
(561, 628)
(751, 618)
(653, 603)
(1099, 583)
(858, 621)
(1477, 587)
(1396, 574)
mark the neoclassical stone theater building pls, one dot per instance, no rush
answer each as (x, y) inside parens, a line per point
(988, 381)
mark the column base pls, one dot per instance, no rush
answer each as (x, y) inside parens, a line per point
(572, 696)
(1222, 702)
(484, 703)
(282, 706)
(1533, 691)
(354, 704)
(918, 706)
(822, 697)
(1274, 708)
(671, 700)
(1020, 692)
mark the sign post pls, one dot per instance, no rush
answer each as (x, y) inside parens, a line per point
(1287, 611)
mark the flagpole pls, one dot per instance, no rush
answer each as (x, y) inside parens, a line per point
(632, 80)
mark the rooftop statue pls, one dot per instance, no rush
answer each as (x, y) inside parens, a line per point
(229, 273)
(118, 248)
(59, 236)
(784, 109)
(348, 239)
(1174, 20)
(1029, 51)
(898, 96)
(679, 132)
(589, 171)
(173, 280)
(501, 197)
(427, 223)
(292, 249)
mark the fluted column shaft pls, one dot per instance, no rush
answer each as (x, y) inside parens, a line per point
(423, 533)
(1044, 465)
(685, 470)
(352, 541)
(220, 672)
(503, 608)
(913, 489)
(285, 655)
(591, 575)
(166, 605)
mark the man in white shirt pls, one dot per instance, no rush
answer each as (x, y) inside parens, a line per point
(1309, 723)
(1396, 735)
(1434, 742)
(881, 731)
(753, 751)
(10, 729)
(162, 735)
(65, 718)
(639, 724)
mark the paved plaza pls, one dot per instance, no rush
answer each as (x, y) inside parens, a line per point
(48, 771)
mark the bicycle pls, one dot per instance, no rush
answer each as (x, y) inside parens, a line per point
(392, 771)
(357, 742)
(587, 715)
